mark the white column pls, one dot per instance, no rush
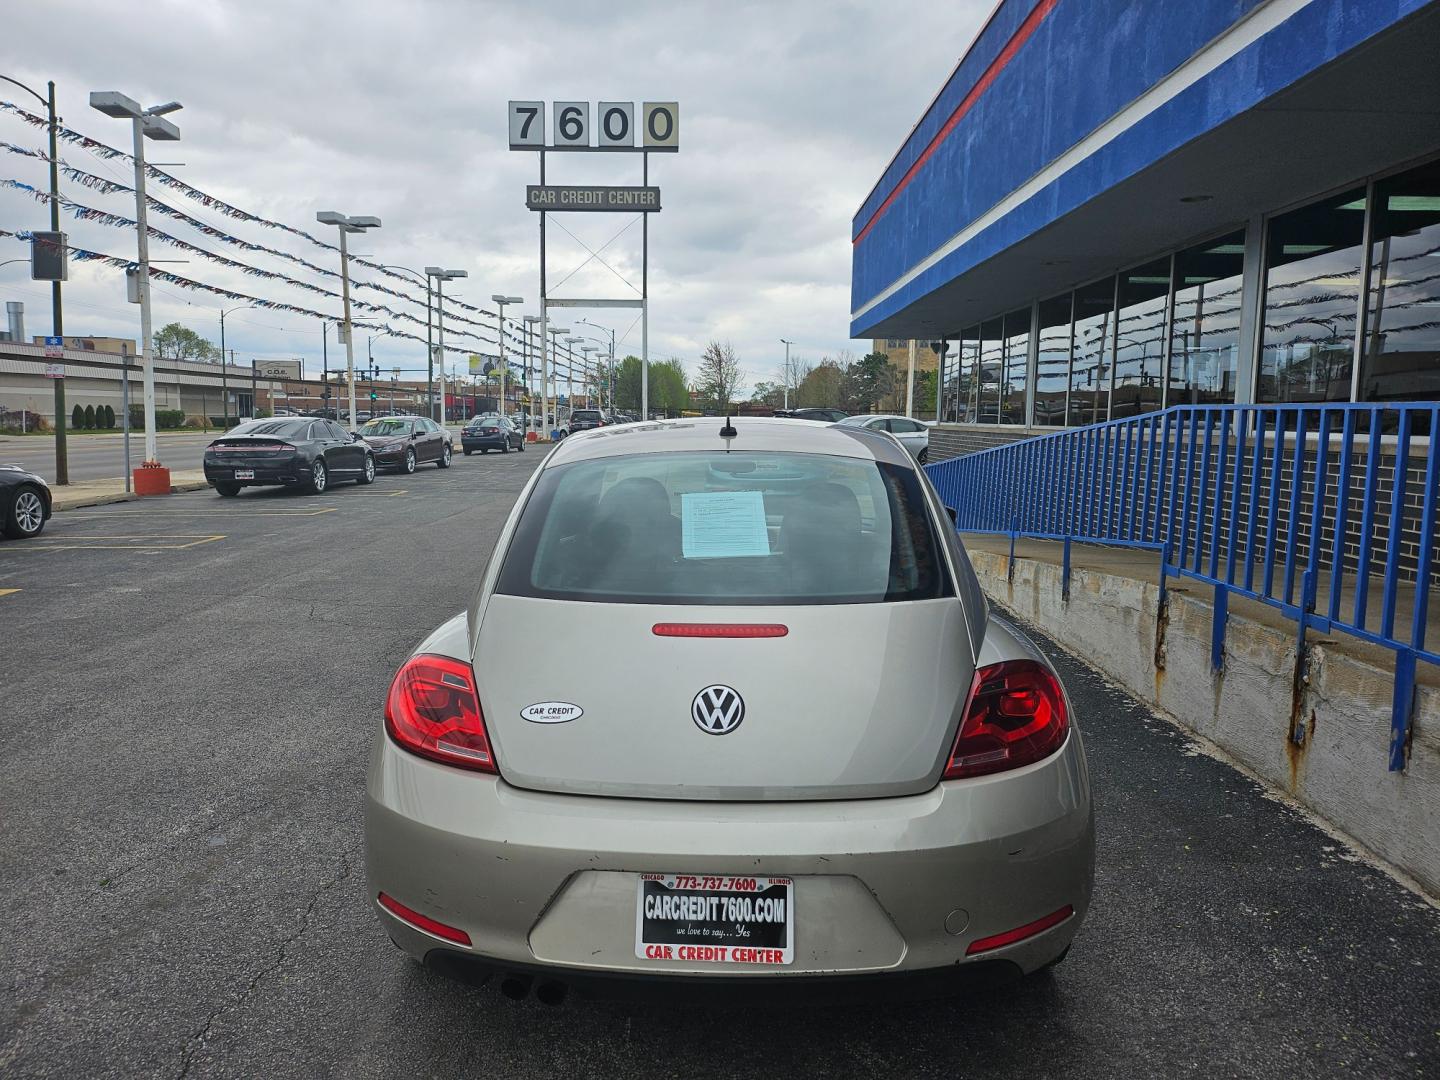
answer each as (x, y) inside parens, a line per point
(143, 274)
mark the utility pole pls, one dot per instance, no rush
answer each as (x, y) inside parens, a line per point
(910, 383)
(785, 375)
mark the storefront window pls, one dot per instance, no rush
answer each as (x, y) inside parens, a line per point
(1093, 342)
(1205, 328)
(1312, 290)
(1400, 353)
(1052, 373)
(961, 396)
(992, 370)
(1017, 367)
(1140, 339)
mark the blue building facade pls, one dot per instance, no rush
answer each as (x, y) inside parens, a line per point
(1113, 206)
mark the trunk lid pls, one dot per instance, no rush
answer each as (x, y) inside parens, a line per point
(856, 700)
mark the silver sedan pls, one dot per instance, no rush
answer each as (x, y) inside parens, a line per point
(728, 704)
(913, 434)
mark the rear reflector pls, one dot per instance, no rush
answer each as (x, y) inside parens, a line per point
(1020, 933)
(429, 925)
(740, 630)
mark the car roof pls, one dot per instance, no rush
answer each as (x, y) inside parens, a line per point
(764, 433)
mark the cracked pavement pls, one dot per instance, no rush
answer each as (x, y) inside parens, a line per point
(184, 734)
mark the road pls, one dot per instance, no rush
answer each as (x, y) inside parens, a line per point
(190, 687)
(97, 457)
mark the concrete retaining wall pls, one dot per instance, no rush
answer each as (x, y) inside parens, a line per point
(1248, 709)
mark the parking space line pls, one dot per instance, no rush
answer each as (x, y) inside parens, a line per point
(242, 511)
(7, 592)
(135, 543)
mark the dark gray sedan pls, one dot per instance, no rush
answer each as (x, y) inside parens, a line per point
(486, 433)
(289, 451)
(24, 502)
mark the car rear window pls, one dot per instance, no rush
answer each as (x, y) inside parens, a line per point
(726, 528)
(286, 428)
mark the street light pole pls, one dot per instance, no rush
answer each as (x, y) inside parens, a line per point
(441, 276)
(57, 320)
(553, 351)
(144, 124)
(785, 375)
(530, 333)
(500, 302)
(347, 225)
(224, 381)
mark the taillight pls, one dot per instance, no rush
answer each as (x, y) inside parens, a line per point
(727, 630)
(433, 710)
(1015, 716)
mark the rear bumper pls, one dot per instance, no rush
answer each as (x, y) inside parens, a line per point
(297, 472)
(469, 442)
(882, 886)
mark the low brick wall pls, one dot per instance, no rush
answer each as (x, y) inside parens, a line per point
(957, 440)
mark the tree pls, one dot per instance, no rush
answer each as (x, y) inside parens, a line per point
(176, 342)
(866, 382)
(768, 393)
(820, 389)
(718, 376)
(627, 384)
(669, 389)
(89, 417)
(109, 418)
(77, 416)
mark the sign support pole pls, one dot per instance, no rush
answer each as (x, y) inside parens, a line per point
(544, 325)
(645, 299)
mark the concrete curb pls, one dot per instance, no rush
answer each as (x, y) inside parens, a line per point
(79, 502)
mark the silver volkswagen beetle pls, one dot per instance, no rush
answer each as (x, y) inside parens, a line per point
(728, 704)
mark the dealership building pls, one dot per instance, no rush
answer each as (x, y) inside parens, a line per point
(1115, 206)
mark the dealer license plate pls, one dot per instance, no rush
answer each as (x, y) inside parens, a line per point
(715, 919)
(244, 474)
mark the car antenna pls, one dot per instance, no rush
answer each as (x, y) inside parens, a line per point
(728, 431)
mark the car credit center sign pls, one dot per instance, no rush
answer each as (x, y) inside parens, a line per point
(630, 199)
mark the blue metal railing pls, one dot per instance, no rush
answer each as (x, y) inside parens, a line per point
(1324, 512)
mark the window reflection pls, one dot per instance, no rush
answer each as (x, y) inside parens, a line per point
(1017, 363)
(1400, 354)
(963, 402)
(1052, 373)
(992, 370)
(1205, 332)
(1090, 372)
(1312, 289)
(1140, 339)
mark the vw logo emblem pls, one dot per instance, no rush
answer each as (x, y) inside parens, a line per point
(717, 710)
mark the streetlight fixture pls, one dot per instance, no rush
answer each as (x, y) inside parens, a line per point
(57, 322)
(570, 382)
(500, 302)
(144, 124)
(587, 350)
(346, 226)
(224, 380)
(785, 376)
(441, 276)
(530, 332)
(424, 279)
(555, 332)
(610, 370)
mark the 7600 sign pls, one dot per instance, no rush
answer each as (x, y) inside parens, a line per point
(614, 125)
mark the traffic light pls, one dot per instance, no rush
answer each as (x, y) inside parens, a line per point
(373, 395)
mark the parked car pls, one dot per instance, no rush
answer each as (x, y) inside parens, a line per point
(289, 451)
(403, 442)
(913, 434)
(24, 502)
(785, 798)
(488, 433)
(585, 419)
(824, 416)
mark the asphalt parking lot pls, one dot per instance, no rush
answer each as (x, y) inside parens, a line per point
(188, 688)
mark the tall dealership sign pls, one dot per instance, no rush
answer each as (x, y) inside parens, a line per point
(614, 130)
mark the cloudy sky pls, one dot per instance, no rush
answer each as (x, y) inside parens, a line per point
(789, 112)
